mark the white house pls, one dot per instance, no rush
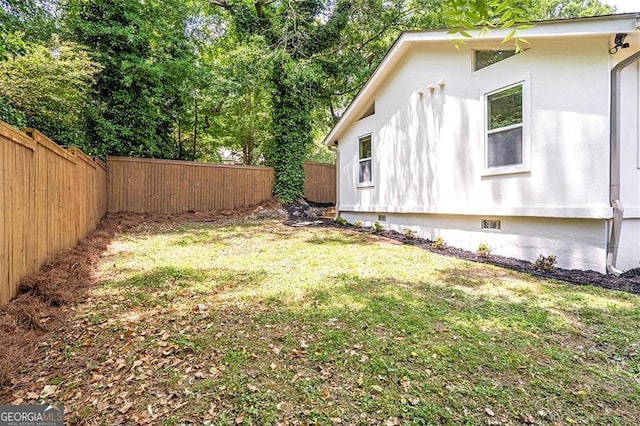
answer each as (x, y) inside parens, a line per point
(531, 153)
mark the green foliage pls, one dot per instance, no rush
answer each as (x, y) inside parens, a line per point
(147, 64)
(377, 227)
(545, 263)
(48, 88)
(483, 250)
(293, 82)
(357, 223)
(438, 243)
(237, 107)
(341, 221)
(464, 15)
(409, 233)
(11, 115)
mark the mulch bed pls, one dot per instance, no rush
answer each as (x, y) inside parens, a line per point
(628, 281)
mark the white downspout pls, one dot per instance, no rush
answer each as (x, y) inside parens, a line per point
(614, 164)
(337, 180)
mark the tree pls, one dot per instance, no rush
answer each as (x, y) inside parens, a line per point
(238, 106)
(145, 59)
(48, 88)
(295, 32)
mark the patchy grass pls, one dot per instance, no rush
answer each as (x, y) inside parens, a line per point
(259, 323)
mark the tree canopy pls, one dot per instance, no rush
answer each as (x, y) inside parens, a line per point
(250, 81)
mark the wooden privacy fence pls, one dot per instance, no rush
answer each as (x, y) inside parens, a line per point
(320, 182)
(168, 186)
(50, 198)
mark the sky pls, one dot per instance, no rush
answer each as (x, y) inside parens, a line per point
(623, 6)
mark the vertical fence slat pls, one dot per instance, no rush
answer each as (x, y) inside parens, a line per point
(45, 194)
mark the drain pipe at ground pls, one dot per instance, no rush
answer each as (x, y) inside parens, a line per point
(614, 191)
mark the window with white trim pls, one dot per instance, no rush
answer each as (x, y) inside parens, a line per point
(364, 160)
(505, 145)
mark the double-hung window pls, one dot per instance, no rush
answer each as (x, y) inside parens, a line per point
(505, 142)
(364, 160)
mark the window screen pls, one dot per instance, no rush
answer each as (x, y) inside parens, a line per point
(364, 156)
(504, 127)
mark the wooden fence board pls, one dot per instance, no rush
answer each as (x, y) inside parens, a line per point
(167, 186)
(51, 197)
(320, 182)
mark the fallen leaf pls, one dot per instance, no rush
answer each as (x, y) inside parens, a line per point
(528, 418)
(336, 420)
(392, 421)
(126, 407)
(414, 401)
(377, 388)
(273, 365)
(48, 390)
(325, 394)
(489, 411)
(239, 420)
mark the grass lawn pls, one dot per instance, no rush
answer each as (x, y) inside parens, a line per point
(260, 323)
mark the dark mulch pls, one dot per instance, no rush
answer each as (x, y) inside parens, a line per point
(629, 281)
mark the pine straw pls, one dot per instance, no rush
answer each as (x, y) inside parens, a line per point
(36, 311)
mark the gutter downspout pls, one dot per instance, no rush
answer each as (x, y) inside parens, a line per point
(335, 146)
(614, 164)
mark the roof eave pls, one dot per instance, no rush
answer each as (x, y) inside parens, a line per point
(566, 28)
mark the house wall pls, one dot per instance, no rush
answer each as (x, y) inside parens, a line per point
(576, 243)
(629, 251)
(428, 150)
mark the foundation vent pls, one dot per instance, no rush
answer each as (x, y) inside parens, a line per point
(382, 217)
(490, 224)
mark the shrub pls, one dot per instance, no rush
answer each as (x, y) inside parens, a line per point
(341, 221)
(409, 233)
(438, 243)
(545, 263)
(377, 227)
(483, 250)
(358, 223)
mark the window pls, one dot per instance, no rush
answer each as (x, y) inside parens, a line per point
(484, 58)
(364, 159)
(369, 111)
(504, 144)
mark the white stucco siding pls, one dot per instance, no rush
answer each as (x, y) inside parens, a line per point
(576, 243)
(629, 251)
(428, 150)
(630, 141)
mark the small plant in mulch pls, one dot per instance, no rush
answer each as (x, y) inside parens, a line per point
(358, 223)
(341, 221)
(409, 234)
(483, 250)
(545, 263)
(438, 243)
(377, 227)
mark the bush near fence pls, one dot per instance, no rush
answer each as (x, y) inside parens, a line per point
(51, 197)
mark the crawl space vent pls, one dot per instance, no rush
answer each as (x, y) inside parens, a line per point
(490, 224)
(382, 217)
